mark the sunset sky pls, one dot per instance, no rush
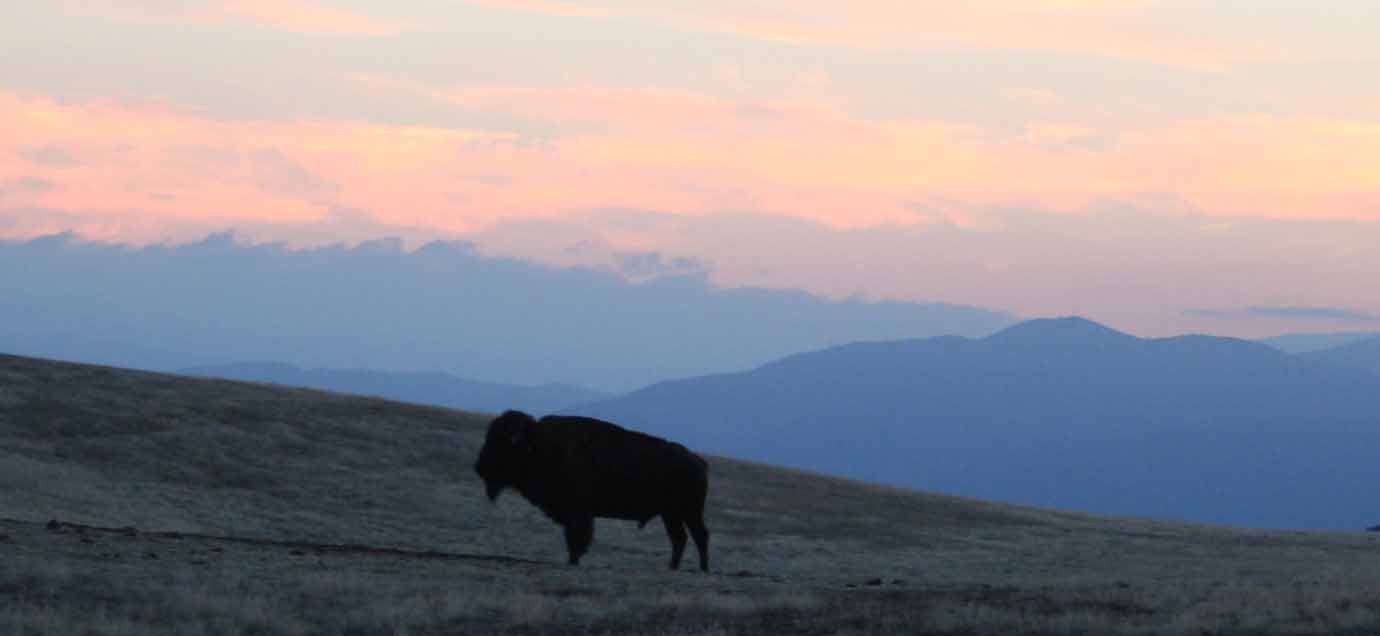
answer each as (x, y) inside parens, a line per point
(1163, 167)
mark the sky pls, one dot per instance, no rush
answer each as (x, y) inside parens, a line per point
(1162, 167)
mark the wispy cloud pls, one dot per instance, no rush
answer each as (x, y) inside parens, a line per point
(1131, 30)
(547, 7)
(645, 265)
(1335, 314)
(296, 16)
(34, 185)
(48, 155)
(305, 16)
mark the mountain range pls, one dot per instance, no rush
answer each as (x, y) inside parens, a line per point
(1059, 412)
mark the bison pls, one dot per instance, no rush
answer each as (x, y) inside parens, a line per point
(577, 468)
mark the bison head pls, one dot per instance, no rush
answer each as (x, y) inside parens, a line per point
(505, 453)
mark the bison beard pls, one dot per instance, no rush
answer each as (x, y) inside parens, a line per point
(577, 468)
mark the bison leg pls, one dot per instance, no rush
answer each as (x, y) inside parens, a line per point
(675, 529)
(579, 532)
(701, 536)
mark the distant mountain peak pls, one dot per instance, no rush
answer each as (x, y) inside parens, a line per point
(1360, 354)
(1063, 330)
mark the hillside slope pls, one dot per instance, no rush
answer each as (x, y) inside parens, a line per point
(237, 495)
(112, 447)
(1063, 413)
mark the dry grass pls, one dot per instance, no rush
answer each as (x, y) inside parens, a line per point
(792, 551)
(360, 596)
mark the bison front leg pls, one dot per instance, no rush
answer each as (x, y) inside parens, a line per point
(579, 532)
(675, 528)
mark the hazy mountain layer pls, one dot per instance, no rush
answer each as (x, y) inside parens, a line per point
(442, 307)
(422, 388)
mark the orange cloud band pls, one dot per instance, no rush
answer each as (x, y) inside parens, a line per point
(661, 150)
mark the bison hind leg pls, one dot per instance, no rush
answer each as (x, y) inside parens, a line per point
(579, 533)
(701, 536)
(694, 519)
(675, 529)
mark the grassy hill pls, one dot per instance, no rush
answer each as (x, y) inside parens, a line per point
(134, 502)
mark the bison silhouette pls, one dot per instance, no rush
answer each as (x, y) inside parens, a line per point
(577, 468)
